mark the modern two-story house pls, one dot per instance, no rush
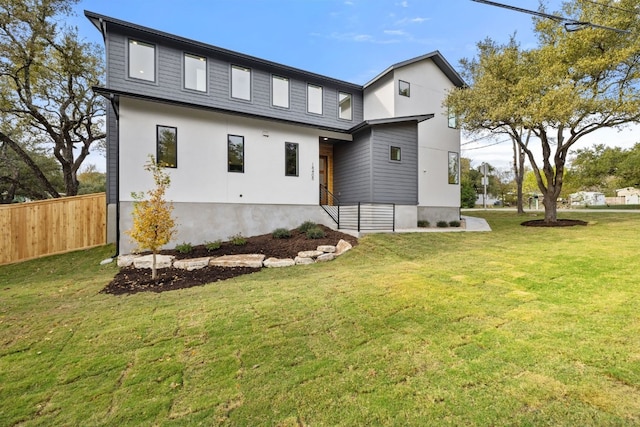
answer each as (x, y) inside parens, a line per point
(252, 145)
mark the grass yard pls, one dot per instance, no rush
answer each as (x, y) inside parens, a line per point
(520, 326)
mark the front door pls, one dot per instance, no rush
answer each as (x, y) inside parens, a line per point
(324, 181)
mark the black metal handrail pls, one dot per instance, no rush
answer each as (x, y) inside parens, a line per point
(330, 203)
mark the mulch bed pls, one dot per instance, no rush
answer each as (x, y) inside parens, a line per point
(130, 280)
(558, 223)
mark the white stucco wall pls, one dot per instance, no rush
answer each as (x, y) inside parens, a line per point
(201, 175)
(379, 98)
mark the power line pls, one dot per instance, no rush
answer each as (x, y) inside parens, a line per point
(489, 145)
(569, 24)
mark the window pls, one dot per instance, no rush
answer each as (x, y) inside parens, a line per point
(404, 88)
(280, 91)
(235, 153)
(240, 83)
(142, 61)
(167, 146)
(453, 119)
(314, 99)
(394, 154)
(195, 72)
(454, 170)
(344, 106)
(291, 159)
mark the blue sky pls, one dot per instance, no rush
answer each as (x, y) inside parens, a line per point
(352, 40)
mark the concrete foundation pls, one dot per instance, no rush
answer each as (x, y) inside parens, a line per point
(433, 214)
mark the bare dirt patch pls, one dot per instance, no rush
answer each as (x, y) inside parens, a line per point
(130, 280)
(558, 223)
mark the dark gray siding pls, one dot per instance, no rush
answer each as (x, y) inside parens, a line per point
(352, 169)
(169, 82)
(395, 182)
(112, 155)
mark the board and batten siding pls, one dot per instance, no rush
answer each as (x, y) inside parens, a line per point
(395, 181)
(169, 83)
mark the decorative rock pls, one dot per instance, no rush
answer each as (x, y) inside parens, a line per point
(327, 248)
(277, 262)
(310, 254)
(191, 264)
(342, 247)
(251, 260)
(325, 257)
(304, 261)
(126, 260)
(106, 261)
(146, 261)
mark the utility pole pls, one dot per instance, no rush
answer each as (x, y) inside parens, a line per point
(485, 181)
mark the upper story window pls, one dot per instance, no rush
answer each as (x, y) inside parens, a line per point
(235, 153)
(452, 118)
(404, 88)
(395, 153)
(167, 146)
(314, 99)
(195, 72)
(240, 82)
(142, 61)
(454, 168)
(344, 106)
(279, 91)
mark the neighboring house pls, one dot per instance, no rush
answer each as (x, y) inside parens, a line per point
(584, 198)
(252, 145)
(631, 195)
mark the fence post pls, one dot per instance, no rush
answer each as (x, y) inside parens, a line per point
(393, 225)
(358, 216)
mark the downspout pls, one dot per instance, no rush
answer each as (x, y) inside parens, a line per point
(115, 108)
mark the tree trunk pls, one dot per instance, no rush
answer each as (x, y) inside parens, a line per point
(550, 206)
(154, 272)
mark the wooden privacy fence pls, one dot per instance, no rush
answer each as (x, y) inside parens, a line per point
(34, 229)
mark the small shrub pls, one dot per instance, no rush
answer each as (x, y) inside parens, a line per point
(238, 239)
(423, 223)
(281, 233)
(442, 224)
(454, 223)
(305, 226)
(315, 233)
(212, 246)
(184, 248)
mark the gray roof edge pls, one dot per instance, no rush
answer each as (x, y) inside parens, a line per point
(390, 120)
(436, 57)
(96, 17)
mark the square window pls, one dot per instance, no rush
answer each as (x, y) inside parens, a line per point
(195, 72)
(240, 82)
(454, 168)
(291, 159)
(344, 106)
(314, 99)
(235, 153)
(280, 91)
(395, 154)
(167, 146)
(142, 61)
(404, 88)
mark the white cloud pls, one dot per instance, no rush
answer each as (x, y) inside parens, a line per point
(404, 4)
(396, 32)
(349, 3)
(416, 20)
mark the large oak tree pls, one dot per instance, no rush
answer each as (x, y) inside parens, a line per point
(572, 84)
(46, 75)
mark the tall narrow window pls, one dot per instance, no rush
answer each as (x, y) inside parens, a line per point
(142, 61)
(195, 72)
(404, 88)
(235, 153)
(240, 82)
(280, 91)
(291, 159)
(314, 99)
(167, 146)
(453, 119)
(344, 106)
(395, 154)
(454, 170)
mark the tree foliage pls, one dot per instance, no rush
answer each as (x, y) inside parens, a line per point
(153, 225)
(605, 169)
(571, 85)
(46, 76)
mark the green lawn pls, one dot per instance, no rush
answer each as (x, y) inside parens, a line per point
(520, 326)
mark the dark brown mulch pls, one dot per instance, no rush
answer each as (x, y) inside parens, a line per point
(558, 223)
(130, 280)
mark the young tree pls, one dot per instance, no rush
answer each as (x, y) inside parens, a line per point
(153, 225)
(46, 75)
(571, 85)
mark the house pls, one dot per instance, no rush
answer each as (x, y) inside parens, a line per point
(631, 195)
(587, 198)
(252, 145)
